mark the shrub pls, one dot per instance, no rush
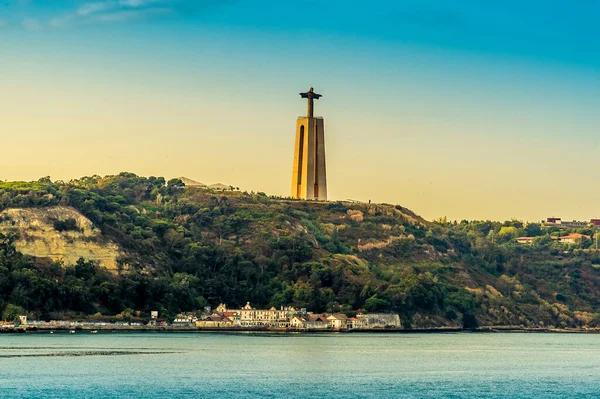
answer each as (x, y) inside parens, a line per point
(65, 225)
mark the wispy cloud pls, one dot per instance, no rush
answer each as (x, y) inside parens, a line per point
(114, 11)
(86, 12)
(94, 8)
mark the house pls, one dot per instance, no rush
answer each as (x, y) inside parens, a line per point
(215, 321)
(221, 308)
(229, 315)
(250, 317)
(315, 322)
(191, 183)
(337, 321)
(184, 321)
(563, 224)
(572, 238)
(297, 323)
(354, 323)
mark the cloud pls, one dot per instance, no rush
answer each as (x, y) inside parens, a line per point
(114, 11)
(96, 7)
(88, 12)
(31, 24)
(137, 3)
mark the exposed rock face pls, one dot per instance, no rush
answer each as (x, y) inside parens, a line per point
(77, 238)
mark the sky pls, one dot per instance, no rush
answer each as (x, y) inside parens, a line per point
(469, 110)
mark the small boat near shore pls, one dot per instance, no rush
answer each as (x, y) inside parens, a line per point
(71, 331)
(94, 332)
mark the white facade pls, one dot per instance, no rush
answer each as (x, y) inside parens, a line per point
(337, 321)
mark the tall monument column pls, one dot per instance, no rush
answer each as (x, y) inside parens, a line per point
(309, 175)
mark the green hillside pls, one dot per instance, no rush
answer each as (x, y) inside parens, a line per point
(181, 249)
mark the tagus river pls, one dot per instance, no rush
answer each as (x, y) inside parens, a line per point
(211, 365)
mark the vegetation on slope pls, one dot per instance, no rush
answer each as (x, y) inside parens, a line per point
(184, 249)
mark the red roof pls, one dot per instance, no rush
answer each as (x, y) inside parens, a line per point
(317, 318)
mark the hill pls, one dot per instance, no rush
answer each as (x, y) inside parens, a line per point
(179, 249)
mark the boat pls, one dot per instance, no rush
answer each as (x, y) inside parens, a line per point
(94, 331)
(71, 331)
(51, 332)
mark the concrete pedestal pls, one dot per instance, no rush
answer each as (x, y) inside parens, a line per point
(309, 176)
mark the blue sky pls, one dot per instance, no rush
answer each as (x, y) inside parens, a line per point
(558, 31)
(466, 109)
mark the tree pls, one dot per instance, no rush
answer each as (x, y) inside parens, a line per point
(45, 180)
(12, 312)
(375, 304)
(533, 230)
(175, 186)
(507, 234)
(470, 321)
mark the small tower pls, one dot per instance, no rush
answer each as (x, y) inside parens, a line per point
(309, 176)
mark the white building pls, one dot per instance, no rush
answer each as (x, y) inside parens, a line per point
(354, 323)
(297, 322)
(337, 321)
(250, 317)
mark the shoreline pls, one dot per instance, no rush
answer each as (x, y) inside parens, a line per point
(266, 330)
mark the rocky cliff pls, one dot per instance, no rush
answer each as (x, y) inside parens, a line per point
(59, 233)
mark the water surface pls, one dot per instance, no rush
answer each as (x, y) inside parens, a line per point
(211, 365)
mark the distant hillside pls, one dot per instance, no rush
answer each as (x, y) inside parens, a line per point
(176, 249)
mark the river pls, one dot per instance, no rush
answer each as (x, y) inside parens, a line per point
(217, 365)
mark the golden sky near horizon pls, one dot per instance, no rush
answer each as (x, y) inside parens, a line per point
(432, 169)
(442, 133)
